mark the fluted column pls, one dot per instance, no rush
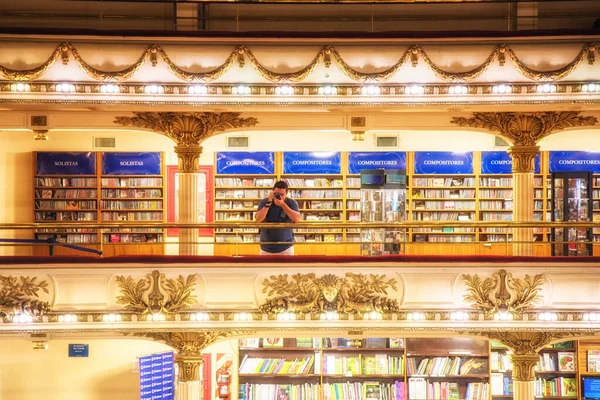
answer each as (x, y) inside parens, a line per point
(523, 376)
(189, 177)
(523, 168)
(189, 386)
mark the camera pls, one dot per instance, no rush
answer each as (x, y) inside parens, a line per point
(277, 196)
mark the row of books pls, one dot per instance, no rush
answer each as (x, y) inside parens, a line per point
(131, 204)
(131, 193)
(419, 389)
(364, 391)
(133, 216)
(379, 364)
(555, 387)
(443, 366)
(66, 182)
(245, 182)
(131, 182)
(563, 361)
(444, 194)
(501, 385)
(252, 391)
(325, 343)
(280, 366)
(444, 182)
(66, 193)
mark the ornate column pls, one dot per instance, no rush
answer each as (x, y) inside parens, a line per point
(525, 347)
(524, 130)
(188, 130)
(189, 347)
(523, 168)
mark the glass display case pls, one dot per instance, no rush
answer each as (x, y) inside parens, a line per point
(572, 202)
(383, 199)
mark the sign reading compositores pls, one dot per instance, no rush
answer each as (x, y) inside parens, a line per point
(443, 162)
(358, 161)
(79, 350)
(65, 163)
(313, 162)
(157, 377)
(569, 161)
(245, 162)
(131, 163)
(500, 162)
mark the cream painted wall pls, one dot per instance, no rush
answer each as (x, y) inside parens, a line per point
(27, 374)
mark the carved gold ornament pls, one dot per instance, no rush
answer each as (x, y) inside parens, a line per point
(191, 344)
(305, 293)
(156, 294)
(525, 129)
(240, 53)
(187, 129)
(502, 292)
(20, 295)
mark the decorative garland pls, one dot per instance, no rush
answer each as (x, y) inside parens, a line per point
(241, 52)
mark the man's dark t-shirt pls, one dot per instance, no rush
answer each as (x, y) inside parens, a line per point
(276, 214)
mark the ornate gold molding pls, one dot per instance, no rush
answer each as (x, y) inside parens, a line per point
(501, 292)
(189, 158)
(525, 129)
(523, 158)
(146, 295)
(191, 344)
(187, 129)
(413, 53)
(189, 368)
(529, 343)
(524, 367)
(20, 295)
(305, 293)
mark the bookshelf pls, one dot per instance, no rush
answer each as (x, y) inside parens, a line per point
(65, 191)
(501, 383)
(556, 372)
(447, 368)
(321, 368)
(242, 180)
(132, 191)
(75, 187)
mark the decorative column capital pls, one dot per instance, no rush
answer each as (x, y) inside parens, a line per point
(189, 368)
(525, 129)
(189, 158)
(187, 129)
(523, 158)
(529, 343)
(524, 367)
(190, 343)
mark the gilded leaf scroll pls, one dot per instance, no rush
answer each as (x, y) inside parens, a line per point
(501, 292)
(413, 53)
(307, 293)
(21, 295)
(156, 293)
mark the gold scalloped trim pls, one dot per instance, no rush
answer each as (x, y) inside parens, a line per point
(31, 74)
(290, 77)
(197, 77)
(114, 76)
(414, 53)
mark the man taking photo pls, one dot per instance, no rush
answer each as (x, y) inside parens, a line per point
(277, 207)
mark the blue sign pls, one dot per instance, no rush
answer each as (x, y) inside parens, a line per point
(581, 161)
(245, 162)
(131, 163)
(65, 163)
(443, 162)
(312, 162)
(157, 377)
(500, 162)
(376, 160)
(79, 350)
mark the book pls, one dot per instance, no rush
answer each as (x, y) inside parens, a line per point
(593, 361)
(371, 391)
(396, 343)
(250, 343)
(566, 361)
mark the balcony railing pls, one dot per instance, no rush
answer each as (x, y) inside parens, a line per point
(442, 238)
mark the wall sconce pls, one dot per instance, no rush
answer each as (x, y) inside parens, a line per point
(40, 135)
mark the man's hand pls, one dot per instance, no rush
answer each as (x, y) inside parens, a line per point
(278, 201)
